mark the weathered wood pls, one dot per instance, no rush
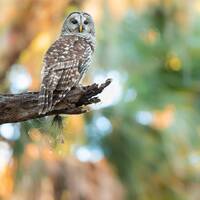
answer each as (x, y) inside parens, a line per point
(22, 107)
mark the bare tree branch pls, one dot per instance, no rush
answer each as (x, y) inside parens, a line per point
(21, 107)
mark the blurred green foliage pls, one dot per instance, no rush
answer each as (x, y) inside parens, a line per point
(155, 140)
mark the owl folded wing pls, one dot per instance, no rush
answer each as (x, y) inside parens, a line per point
(62, 69)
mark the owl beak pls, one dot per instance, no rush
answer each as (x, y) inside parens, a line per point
(81, 28)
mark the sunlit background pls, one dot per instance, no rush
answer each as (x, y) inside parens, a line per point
(142, 142)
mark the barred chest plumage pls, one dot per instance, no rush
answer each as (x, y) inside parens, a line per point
(71, 49)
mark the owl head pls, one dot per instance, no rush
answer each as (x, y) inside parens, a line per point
(78, 23)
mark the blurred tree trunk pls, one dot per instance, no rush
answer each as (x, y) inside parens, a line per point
(70, 180)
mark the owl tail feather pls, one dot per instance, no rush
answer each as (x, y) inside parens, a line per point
(58, 122)
(45, 101)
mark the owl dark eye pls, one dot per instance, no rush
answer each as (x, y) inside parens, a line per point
(86, 22)
(74, 21)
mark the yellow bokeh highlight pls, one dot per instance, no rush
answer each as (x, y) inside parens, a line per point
(33, 55)
(41, 42)
(197, 6)
(74, 124)
(7, 182)
(174, 63)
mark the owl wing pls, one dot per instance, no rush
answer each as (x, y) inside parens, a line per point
(62, 69)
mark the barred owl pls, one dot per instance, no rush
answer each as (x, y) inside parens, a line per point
(67, 59)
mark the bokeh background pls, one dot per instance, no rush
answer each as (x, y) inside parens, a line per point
(142, 142)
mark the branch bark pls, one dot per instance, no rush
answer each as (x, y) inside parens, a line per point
(22, 107)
